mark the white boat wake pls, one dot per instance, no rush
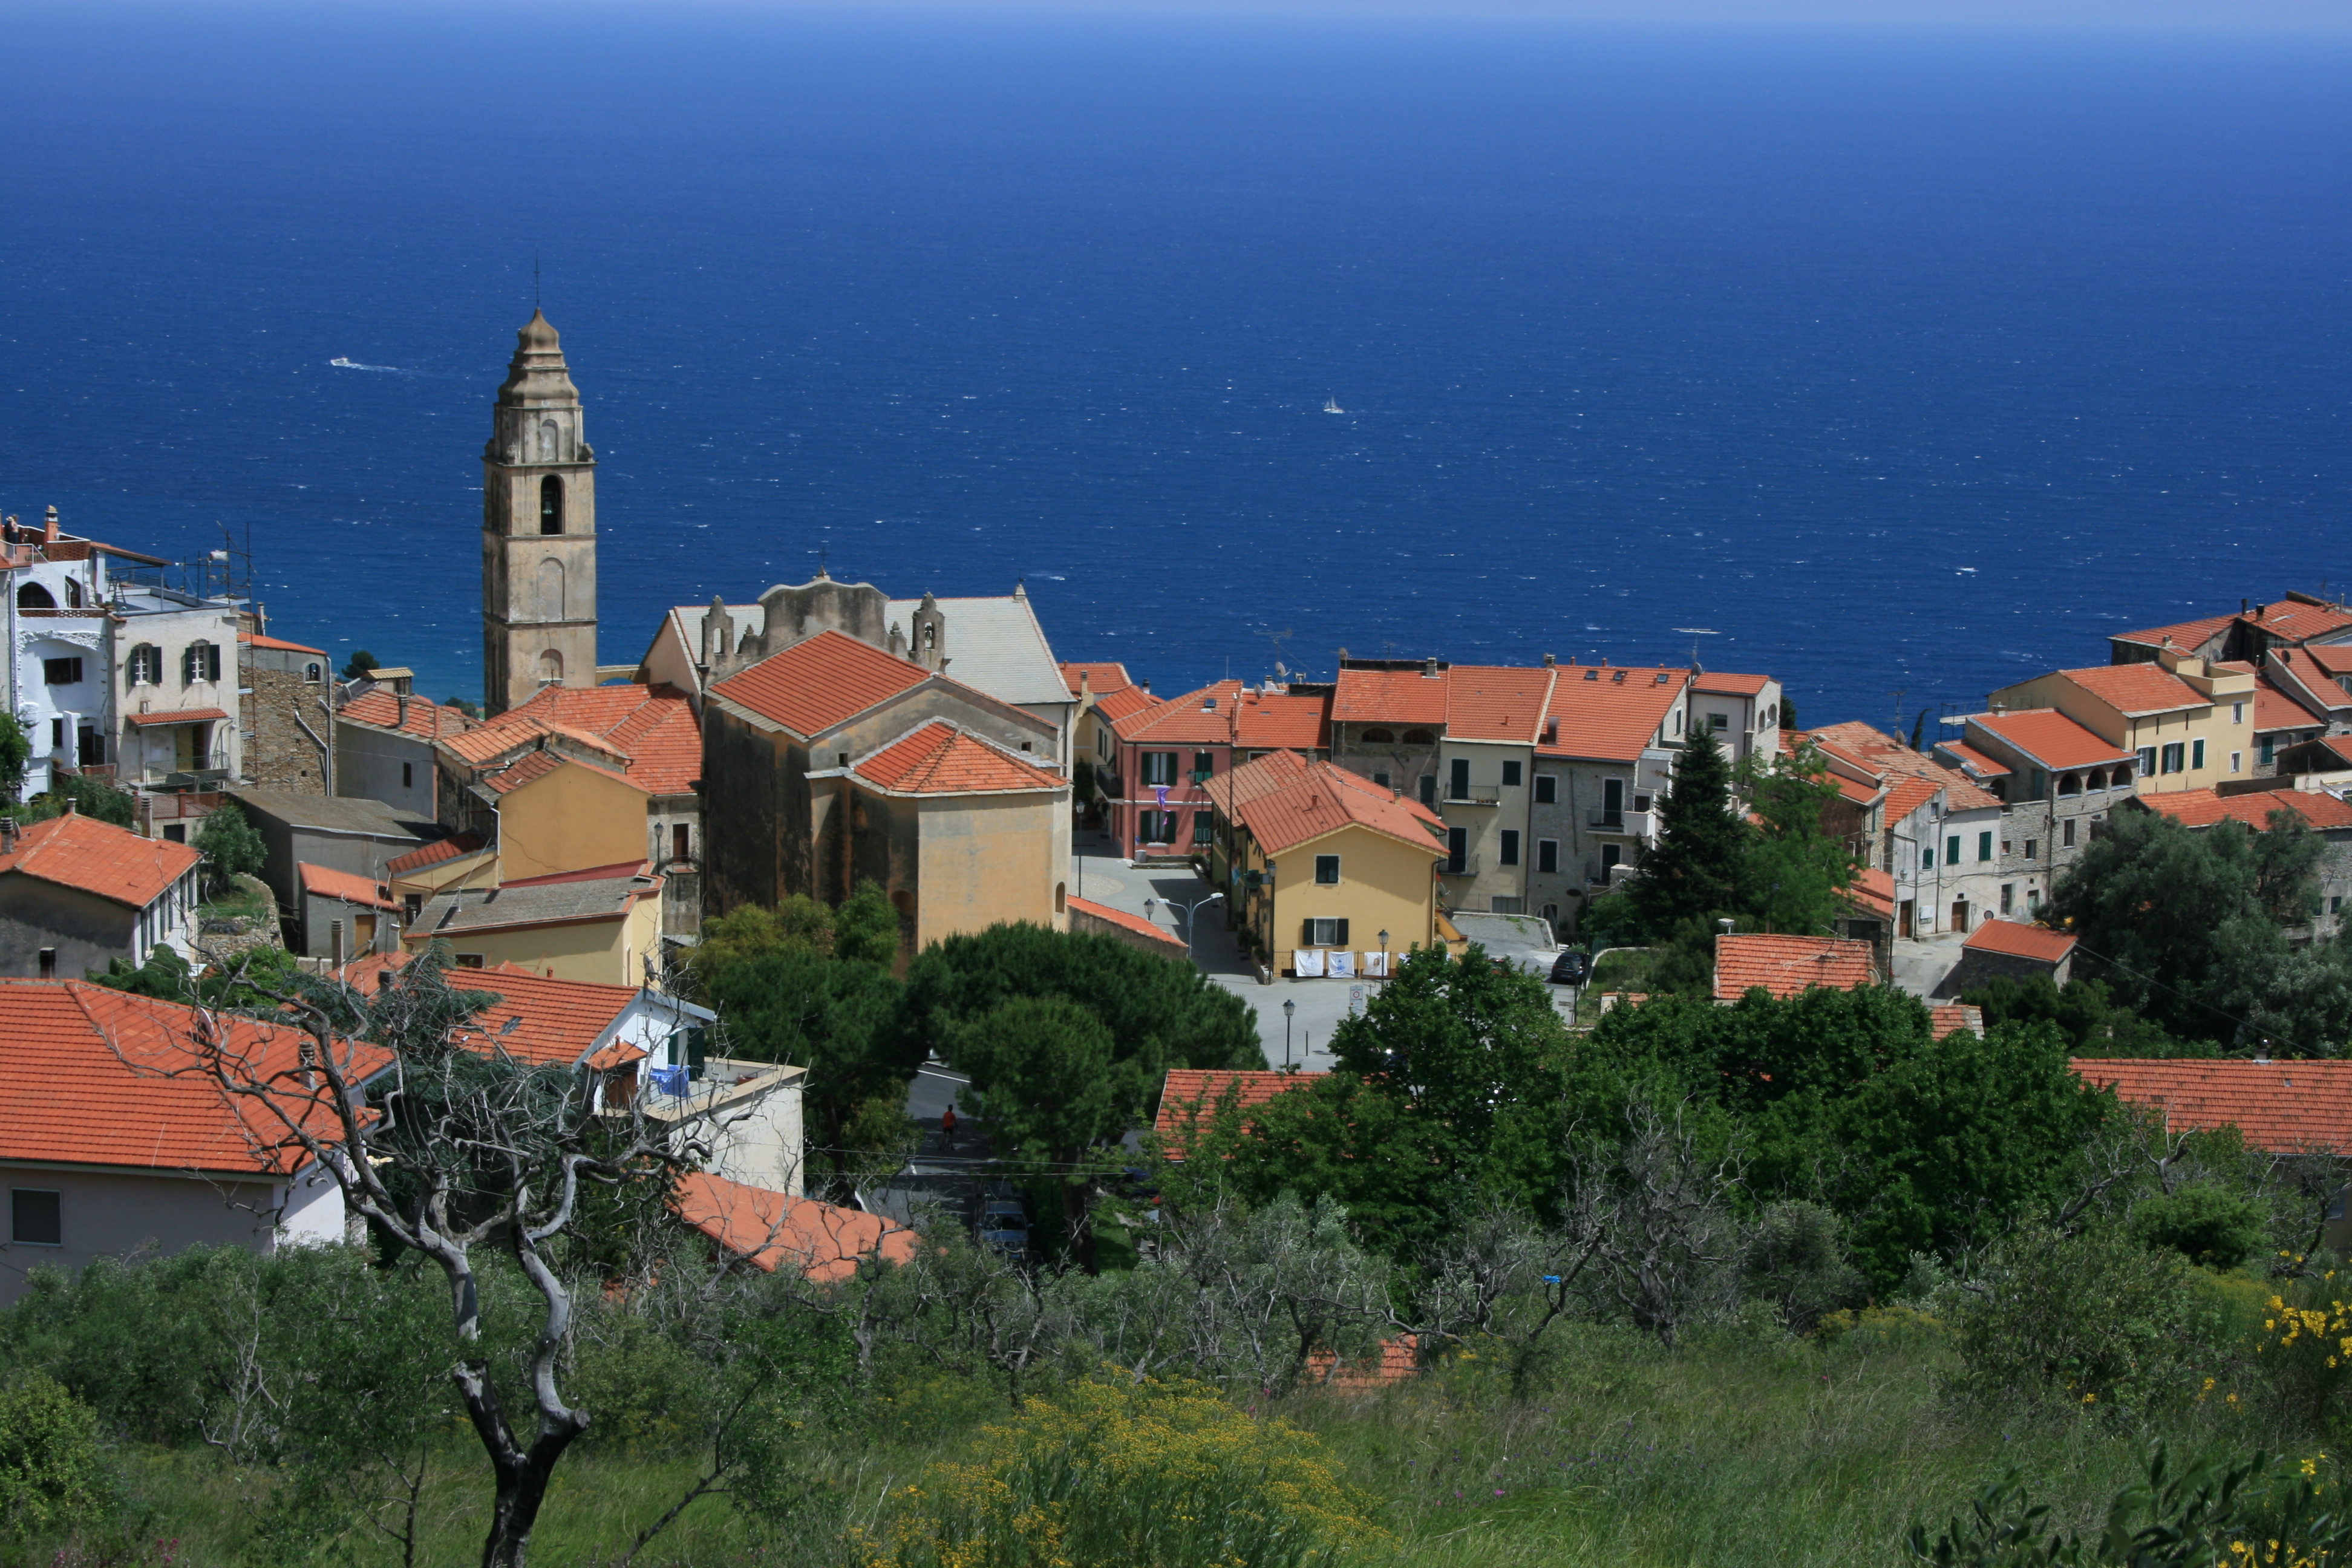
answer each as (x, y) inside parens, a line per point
(341, 364)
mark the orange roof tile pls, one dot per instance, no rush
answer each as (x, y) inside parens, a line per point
(1401, 696)
(532, 766)
(1101, 679)
(1730, 685)
(1270, 719)
(77, 851)
(1202, 718)
(1190, 1095)
(1788, 965)
(1952, 1017)
(2018, 940)
(823, 1241)
(1873, 889)
(1136, 924)
(536, 1019)
(2204, 807)
(2317, 681)
(651, 731)
(1902, 769)
(2284, 1108)
(1609, 713)
(1497, 702)
(2050, 738)
(178, 716)
(259, 640)
(379, 709)
(1328, 798)
(2276, 710)
(433, 854)
(2297, 620)
(1121, 704)
(937, 758)
(2137, 689)
(2186, 635)
(321, 882)
(91, 1081)
(2336, 658)
(1238, 786)
(826, 681)
(1971, 760)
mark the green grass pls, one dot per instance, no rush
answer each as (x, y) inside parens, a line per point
(1737, 1449)
(1622, 968)
(246, 897)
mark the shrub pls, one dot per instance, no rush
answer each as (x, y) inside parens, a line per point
(2305, 1349)
(51, 1476)
(1795, 1259)
(231, 846)
(1128, 1476)
(2207, 1223)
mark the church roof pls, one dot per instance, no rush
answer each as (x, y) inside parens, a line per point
(995, 646)
(823, 681)
(938, 758)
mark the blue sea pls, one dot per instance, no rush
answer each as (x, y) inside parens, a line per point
(1897, 365)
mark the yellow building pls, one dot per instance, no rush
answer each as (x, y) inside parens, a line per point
(581, 925)
(2190, 723)
(1328, 872)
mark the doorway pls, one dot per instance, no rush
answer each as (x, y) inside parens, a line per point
(1903, 920)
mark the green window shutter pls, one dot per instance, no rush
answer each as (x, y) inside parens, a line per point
(1342, 940)
(1307, 933)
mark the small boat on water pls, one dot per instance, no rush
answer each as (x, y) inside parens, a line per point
(1331, 405)
(344, 363)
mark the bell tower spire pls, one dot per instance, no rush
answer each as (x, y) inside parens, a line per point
(538, 529)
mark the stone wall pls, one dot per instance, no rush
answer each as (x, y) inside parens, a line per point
(277, 754)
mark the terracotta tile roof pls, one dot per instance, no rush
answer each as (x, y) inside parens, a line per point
(1202, 718)
(2186, 635)
(258, 640)
(89, 1083)
(2321, 686)
(2137, 689)
(532, 766)
(1101, 679)
(649, 730)
(2276, 710)
(1730, 685)
(2204, 807)
(178, 716)
(2018, 940)
(1123, 703)
(823, 1241)
(2052, 739)
(1970, 760)
(1136, 924)
(1608, 714)
(1328, 798)
(77, 851)
(1952, 1017)
(826, 681)
(1873, 889)
(937, 758)
(1269, 719)
(536, 1019)
(1901, 768)
(1190, 1095)
(433, 854)
(1497, 702)
(321, 882)
(1234, 788)
(1788, 965)
(2284, 1108)
(1402, 697)
(2298, 621)
(1906, 795)
(379, 709)
(2336, 658)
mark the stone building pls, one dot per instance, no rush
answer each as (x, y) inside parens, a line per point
(539, 530)
(284, 690)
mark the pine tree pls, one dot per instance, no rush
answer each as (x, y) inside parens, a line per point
(1695, 871)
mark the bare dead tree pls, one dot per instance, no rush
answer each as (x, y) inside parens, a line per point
(1661, 1207)
(1505, 1277)
(444, 1150)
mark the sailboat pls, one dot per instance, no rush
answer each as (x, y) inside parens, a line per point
(1331, 405)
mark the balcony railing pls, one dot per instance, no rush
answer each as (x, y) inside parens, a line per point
(1477, 796)
(1632, 824)
(1464, 866)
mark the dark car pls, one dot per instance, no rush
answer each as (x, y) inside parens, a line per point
(1570, 968)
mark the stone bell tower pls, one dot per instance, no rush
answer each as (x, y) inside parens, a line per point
(539, 530)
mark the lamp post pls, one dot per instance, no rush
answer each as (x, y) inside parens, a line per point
(1188, 910)
(1287, 1009)
(1384, 959)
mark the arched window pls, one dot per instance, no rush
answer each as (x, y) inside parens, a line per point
(2098, 779)
(551, 668)
(1377, 736)
(313, 672)
(1061, 898)
(550, 590)
(1420, 738)
(33, 596)
(547, 440)
(551, 504)
(2070, 784)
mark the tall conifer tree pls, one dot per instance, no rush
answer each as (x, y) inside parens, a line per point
(1695, 869)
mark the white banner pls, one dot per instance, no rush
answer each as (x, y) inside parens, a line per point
(1307, 963)
(1376, 966)
(1343, 965)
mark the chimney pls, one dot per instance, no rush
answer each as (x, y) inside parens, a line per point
(1085, 682)
(71, 808)
(49, 527)
(49, 964)
(1144, 686)
(335, 940)
(7, 835)
(1429, 669)
(402, 722)
(1549, 661)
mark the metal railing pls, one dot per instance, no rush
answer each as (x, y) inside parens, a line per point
(1466, 866)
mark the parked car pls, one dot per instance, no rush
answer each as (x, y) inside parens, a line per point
(1004, 1225)
(1571, 968)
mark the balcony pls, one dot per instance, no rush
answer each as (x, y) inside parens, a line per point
(1477, 796)
(1468, 866)
(1642, 825)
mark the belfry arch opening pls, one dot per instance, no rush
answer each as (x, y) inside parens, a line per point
(551, 505)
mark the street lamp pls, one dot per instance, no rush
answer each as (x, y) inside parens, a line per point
(1188, 909)
(1384, 961)
(1287, 1009)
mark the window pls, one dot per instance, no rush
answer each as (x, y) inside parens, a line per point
(2032, 847)
(551, 505)
(469, 960)
(2066, 834)
(1546, 789)
(1984, 846)
(1609, 854)
(1420, 738)
(2335, 905)
(199, 661)
(2266, 750)
(2237, 713)
(1157, 827)
(33, 596)
(1719, 722)
(551, 668)
(2039, 777)
(1376, 736)
(1612, 802)
(2175, 755)
(1547, 854)
(1204, 764)
(1511, 778)
(1679, 721)
(62, 671)
(1159, 768)
(1952, 850)
(57, 734)
(408, 776)
(2008, 892)
(1204, 828)
(176, 833)
(1428, 790)
(2032, 898)
(2146, 760)
(145, 666)
(314, 673)
(1457, 784)
(1381, 780)
(1326, 870)
(2237, 761)
(1325, 933)
(1457, 850)
(1927, 858)
(1510, 846)
(2197, 755)
(35, 1217)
